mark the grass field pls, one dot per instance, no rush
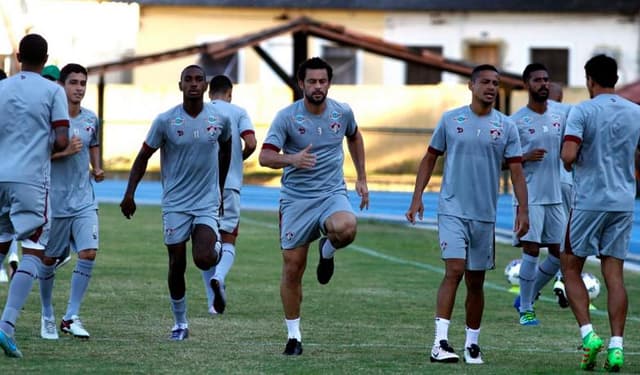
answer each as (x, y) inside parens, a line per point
(376, 315)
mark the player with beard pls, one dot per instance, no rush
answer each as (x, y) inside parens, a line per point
(540, 128)
(477, 139)
(313, 197)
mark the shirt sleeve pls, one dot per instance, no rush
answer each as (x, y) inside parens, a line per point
(244, 123)
(156, 135)
(59, 109)
(276, 136)
(513, 149)
(352, 126)
(439, 137)
(575, 124)
(94, 137)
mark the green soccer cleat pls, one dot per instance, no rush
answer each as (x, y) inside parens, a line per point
(528, 318)
(591, 345)
(615, 360)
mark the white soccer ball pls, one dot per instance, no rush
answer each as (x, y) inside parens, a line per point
(592, 284)
(512, 272)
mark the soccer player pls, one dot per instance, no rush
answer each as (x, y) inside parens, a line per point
(477, 138)
(74, 208)
(30, 105)
(194, 139)
(221, 89)
(313, 197)
(540, 127)
(600, 143)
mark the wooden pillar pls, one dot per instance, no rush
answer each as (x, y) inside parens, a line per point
(300, 55)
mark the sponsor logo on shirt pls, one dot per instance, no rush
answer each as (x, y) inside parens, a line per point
(460, 119)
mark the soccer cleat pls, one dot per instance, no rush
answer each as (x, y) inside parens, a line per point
(8, 344)
(212, 311)
(48, 329)
(293, 347)
(325, 266)
(443, 353)
(615, 360)
(558, 290)
(473, 355)
(61, 262)
(179, 333)
(528, 318)
(74, 327)
(219, 295)
(591, 345)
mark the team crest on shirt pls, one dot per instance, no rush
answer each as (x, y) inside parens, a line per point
(335, 127)
(459, 129)
(212, 130)
(299, 119)
(532, 131)
(556, 121)
(180, 133)
(335, 115)
(495, 133)
(178, 121)
(460, 119)
(301, 130)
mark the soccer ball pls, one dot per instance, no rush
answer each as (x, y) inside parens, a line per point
(512, 272)
(592, 284)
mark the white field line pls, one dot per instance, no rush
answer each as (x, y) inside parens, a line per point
(424, 266)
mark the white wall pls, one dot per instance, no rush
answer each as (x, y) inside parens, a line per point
(582, 34)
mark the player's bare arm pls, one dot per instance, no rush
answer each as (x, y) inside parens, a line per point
(356, 150)
(273, 159)
(61, 137)
(128, 204)
(224, 160)
(94, 160)
(569, 153)
(425, 170)
(520, 191)
(250, 144)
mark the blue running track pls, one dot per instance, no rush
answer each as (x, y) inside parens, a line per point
(385, 205)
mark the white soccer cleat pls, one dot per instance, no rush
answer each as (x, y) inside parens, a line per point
(74, 327)
(48, 330)
(558, 290)
(444, 353)
(473, 355)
